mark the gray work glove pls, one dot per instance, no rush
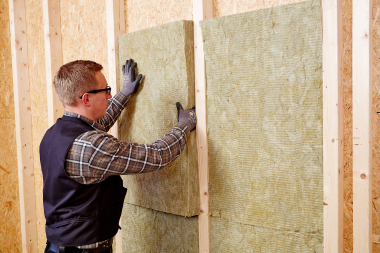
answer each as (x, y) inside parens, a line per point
(129, 82)
(188, 117)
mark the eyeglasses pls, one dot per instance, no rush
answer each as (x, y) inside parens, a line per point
(108, 90)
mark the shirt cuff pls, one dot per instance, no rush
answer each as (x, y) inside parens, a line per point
(121, 98)
(184, 128)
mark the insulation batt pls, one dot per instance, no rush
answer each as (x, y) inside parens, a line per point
(165, 56)
(264, 126)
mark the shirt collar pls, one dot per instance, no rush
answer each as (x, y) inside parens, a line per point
(92, 123)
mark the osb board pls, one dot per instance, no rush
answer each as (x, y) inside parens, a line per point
(84, 31)
(347, 127)
(376, 123)
(239, 237)
(228, 7)
(10, 231)
(149, 13)
(146, 230)
(38, 99)
(264, 103)
(165, 56)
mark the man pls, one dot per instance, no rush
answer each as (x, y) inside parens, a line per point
(81, 163)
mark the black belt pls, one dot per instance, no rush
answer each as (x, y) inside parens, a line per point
(61, 249)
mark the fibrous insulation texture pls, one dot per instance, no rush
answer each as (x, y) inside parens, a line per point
(165, 57)
(264, 126)
(147, 230)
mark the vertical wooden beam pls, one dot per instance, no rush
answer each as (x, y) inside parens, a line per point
(53, 55)
(115, 27)
(23, 125)
(202, 9)
(332, 126)
(362, 123)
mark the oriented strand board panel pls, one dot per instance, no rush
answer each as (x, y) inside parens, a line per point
(375, 128)
(149, 13)
(347, 127)
(84, 31)
(228, 7)
(165, 56)
(10, 231)
(264, 104)
(146, 230)
(38, 100)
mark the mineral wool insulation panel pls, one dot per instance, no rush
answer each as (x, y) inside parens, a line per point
(147, 230)
(165, 56)
(264, 120)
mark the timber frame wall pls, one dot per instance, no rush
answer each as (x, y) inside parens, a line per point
(202, 9)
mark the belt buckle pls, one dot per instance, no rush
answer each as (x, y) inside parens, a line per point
(102, 247)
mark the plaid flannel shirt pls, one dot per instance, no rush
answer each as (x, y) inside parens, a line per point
(95, 155)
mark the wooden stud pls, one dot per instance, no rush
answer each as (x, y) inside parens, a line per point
(332, 126)
(23, 125)
(362, 74)
(202, 9)
(53, 56)
(115, 28)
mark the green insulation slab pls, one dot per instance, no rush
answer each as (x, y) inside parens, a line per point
(146, 230)
(238, 237)
(264, 126)
(165, 56)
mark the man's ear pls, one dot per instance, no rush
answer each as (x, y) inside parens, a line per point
(86, 100)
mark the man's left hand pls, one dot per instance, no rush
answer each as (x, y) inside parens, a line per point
(129, 82)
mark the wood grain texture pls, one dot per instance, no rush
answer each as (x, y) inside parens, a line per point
(228, 7)
(21, 87)
(332, 126)
(202, 10)
(115, 28)
(10, 231)
(347, 125)
(53, 56)
(84, 32)
(362, 75)
(375, 126)
(38, 102)
(149, 13)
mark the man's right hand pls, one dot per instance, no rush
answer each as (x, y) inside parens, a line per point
(129, 81)
(188, 117)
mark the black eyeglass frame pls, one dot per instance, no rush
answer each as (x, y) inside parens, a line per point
(108, 89)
